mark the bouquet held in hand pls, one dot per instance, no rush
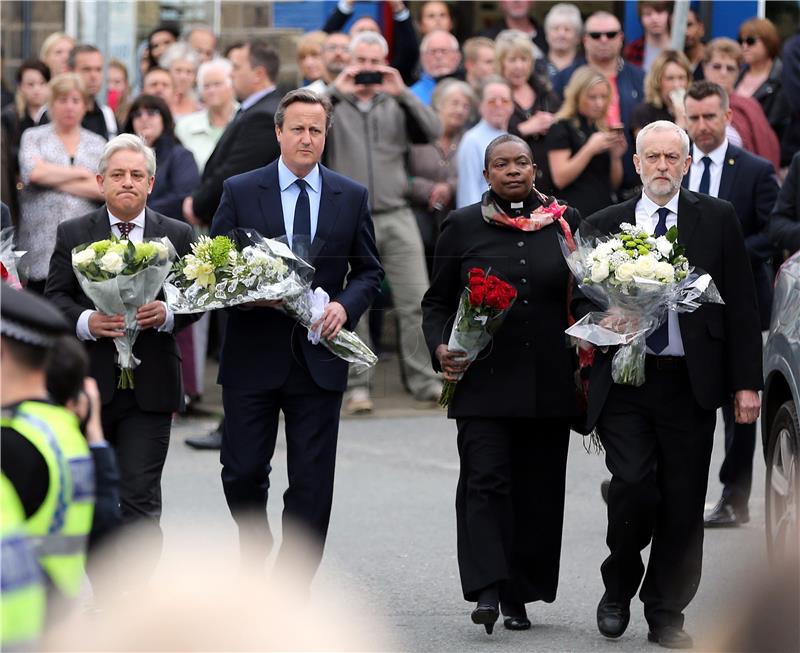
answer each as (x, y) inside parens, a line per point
(119, 276)
(244, 267)
(637, 278)
(483, 306)
(9, 257)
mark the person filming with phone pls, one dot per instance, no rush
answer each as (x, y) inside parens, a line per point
(376, 121)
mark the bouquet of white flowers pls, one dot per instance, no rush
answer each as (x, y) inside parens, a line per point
(243, 267)
(119, 276)
(9, 257)
(637, 278)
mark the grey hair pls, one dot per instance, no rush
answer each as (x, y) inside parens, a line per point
(129, 142)
(662, 126)
(179, 51)
(563, 12)
(370, 38)
(492, 79)
(219, 62)
(447, 87)
(304, 96)
(438, 32)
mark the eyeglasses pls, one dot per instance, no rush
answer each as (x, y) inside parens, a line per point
(750, 40)
(335, 48)
(498, 101)
(145, 112)
(598, 35)
(440, 52)
(722, 66)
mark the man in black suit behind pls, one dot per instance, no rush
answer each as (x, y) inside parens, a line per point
(748, 182)
(249, 140)
(136, 422)
(658, 437)
(267, 364)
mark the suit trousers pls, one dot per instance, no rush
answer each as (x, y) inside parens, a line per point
(510, 505)
(658, 443)
(248, 444)
(403, 259)
(736, 472)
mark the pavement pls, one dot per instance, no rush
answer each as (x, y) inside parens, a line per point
(392, 537)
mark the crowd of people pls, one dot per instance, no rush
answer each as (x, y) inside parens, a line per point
(445, 137)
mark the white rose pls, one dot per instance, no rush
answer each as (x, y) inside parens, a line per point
(161, 249)
(665, 272)
(664, 246)
(83, 257)
(600, 270)
(112, 263)
(625, 272)
(646, 266)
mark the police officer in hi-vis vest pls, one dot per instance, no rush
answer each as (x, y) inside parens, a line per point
(43, 453)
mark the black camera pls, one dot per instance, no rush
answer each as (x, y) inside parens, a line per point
(371, 77)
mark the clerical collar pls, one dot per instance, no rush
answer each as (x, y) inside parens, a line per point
(516, 209)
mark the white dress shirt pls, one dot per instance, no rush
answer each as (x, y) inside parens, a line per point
(715, 169)
(291, 191)
(136, 235)
(647, 219)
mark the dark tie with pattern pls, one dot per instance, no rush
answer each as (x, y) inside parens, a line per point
(301, 232)
(659, 339)
(125, 229)
(705, 180)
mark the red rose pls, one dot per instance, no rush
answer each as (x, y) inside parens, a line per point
(3, 272)
(477, 291)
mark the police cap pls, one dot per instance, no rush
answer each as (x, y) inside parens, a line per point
(29, 318)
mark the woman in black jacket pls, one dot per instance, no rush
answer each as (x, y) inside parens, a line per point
(514, 403)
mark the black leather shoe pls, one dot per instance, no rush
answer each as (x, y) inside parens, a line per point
(726, 515)
(612, 618)
(670, 637)
(212, 440)
(515, 616)
(485, 614)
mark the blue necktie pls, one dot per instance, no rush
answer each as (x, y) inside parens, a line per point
(301, 231)
(705, 180)
(659, 339)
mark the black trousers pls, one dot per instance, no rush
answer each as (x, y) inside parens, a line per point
(140, 440)
(658, 443)
(736, 472)
(510, 505)
(248, 443)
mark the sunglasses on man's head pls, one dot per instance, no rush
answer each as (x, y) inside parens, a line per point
(750, 40)
(598, 35)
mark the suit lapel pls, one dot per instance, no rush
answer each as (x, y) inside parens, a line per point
(269, 200)
(688, 217)
(153, 225)
(100, 225)
(729, 169)
(328, 211)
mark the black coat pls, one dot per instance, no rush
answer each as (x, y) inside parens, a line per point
(749, 183)
(176, 177)
(784, 227)
(248, 142)
(722, 343)
(157, 379)
(527, 370)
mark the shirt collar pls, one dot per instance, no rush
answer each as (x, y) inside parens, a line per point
(717, 156)
(286, 177)
(255, 97)
(651, 207)
(138, 220)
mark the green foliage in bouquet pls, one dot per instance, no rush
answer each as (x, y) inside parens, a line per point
(105, 259)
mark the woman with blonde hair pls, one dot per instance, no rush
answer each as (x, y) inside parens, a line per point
(309, 57)
(55, 52)
(664, 89)
(58, 162)
(534, 100)
(585, 156)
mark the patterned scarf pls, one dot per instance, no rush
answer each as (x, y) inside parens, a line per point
(546, 214)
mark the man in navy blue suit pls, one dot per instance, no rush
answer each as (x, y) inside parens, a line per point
(267, 363)
(748, 182)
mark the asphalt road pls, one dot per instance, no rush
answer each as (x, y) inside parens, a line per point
(392, 540)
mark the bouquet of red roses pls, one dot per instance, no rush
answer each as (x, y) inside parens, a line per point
(481, 310)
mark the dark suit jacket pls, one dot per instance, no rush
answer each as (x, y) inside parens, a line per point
(722, 342)
(157, 380)
(176, 177)
(527, 370)
(248, 142)
(257, 351)
(749, 183)
(784, 225)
